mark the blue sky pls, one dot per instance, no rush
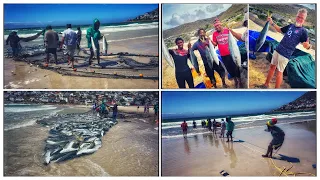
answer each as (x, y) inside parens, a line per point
(57, 14)
(176, 14)
(199, 103)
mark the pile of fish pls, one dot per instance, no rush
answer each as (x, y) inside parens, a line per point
(70, 139)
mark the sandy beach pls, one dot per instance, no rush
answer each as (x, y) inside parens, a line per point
(20, 74)
(168, 73)
(208, 155)
(258, 68)
(130, 148)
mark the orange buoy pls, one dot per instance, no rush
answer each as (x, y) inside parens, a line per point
(46, 65)
(141, 75)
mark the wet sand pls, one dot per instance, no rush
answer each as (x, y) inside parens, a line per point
(128, 149)
(208, 155)
(259, 68)
(20, 75)
(168, 72)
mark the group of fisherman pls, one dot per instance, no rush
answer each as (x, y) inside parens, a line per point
(70, 39)
(276, 132)
(103, 110)
(293, 35)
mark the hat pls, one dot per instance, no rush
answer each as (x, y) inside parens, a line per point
(216, 22)
(272, 122)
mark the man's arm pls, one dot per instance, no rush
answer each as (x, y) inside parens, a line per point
(236, 35)
(274, 25)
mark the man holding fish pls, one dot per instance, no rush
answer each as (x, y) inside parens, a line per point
(229, 51)
(209, 57)
(293, 35)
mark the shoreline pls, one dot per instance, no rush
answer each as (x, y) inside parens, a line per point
(26, 159)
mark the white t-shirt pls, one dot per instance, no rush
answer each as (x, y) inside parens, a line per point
(70, 37)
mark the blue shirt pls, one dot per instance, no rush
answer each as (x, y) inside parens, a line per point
(201, 47)
(292, 37)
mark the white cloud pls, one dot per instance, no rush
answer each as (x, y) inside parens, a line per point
(176, 14)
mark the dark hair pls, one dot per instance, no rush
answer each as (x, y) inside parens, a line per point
(78, 28)
(201, 29)
(68, 25)
(245, 23)
(49, 27)
(178, 39)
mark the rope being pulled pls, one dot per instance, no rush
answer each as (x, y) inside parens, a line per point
(282, 171)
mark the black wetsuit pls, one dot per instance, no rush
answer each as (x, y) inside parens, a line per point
(278, 137)
(200, 46)
(183, 72)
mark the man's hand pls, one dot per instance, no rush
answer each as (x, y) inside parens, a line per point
(306, 44)
(270, 20)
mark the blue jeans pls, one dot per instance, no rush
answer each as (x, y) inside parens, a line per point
(114, 116)
(15, 52)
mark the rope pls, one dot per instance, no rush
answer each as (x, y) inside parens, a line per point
(285, 171)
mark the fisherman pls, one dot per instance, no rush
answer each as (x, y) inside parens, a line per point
(200, 45)
(51, 41)
(293, 35)
(223, 128)
(203, 123)
(156, 109)
(79, 33)
(14, 39)
(182, 70)
(220, 38)
(115, 112)
(102, 109)
(277, 135)
(194, 124)
(214, 126)
(184, 127)
(96, 36)
(69, 38)
(209, 124)
(230, 128)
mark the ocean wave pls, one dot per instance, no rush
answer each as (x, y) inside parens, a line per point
(29, 108)
(30, 122)
(262, 117)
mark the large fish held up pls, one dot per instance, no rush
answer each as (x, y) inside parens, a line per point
(213, 53)
(94, 47)
(166, 54)
(209, 57)
(262, 37)
(194, 61)
(105, 46)
(234, 49)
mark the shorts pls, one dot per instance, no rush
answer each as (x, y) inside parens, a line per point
(276, 143)
(70, 51)
(280, 61)
(51, 50)
(229, 133)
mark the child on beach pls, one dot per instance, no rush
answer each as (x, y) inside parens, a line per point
(230, 128)
(223, 128)
(277, 135)
(184, 127)
(214, 126)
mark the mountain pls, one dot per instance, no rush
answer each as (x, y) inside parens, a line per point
(148, 16)
(227, 15)
(307, 101)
